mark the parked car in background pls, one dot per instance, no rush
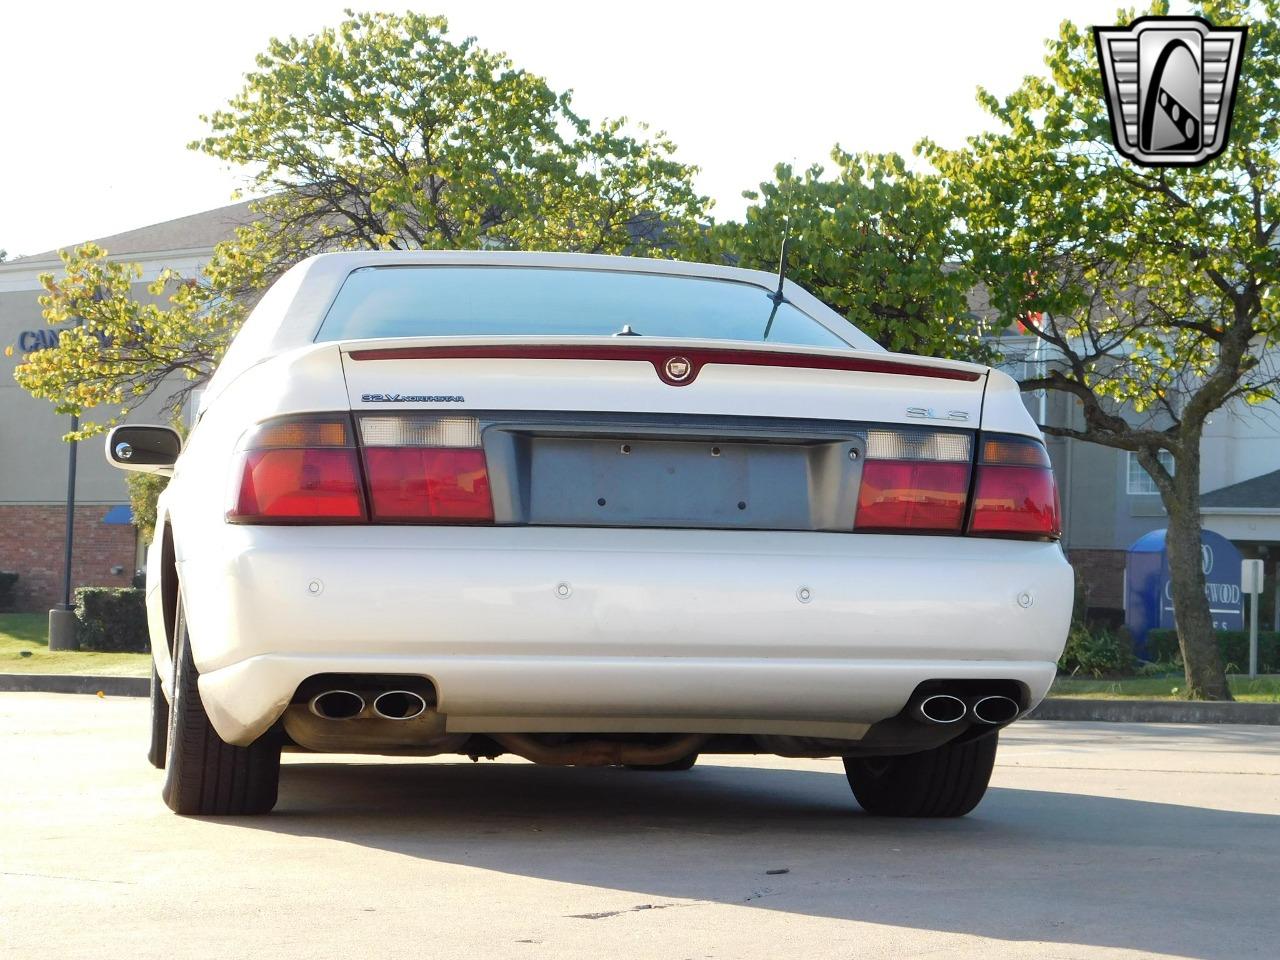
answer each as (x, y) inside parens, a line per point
(592, 510)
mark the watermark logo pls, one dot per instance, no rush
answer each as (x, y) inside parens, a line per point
(1170, 85)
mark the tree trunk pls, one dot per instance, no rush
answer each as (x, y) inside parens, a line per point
(1201, 657)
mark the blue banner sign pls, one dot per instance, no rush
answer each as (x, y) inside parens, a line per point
(1148, 601)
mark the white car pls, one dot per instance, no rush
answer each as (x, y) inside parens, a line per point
(592, 510)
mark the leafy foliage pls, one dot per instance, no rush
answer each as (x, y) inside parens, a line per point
(875, 241)
(1099, 653)
(112, 620)
(384, 132)
(115, 349)
(144, 491)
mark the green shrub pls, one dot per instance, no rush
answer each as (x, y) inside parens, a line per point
(1099, 653)
(1163, 645)
(111, 620)
(7, 583)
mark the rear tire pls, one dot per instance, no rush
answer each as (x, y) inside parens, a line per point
(947, 781)
(159, 747)
(684, 763)
(206, 776)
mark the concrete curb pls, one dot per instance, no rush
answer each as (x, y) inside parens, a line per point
(1055, 708)
(1156, 711)
(70, 683)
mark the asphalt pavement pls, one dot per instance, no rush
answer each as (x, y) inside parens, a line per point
(1096, 840)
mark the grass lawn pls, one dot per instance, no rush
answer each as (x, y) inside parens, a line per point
(28, 632)
(1265, 689)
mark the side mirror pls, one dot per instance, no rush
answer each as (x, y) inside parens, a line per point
(143, 449)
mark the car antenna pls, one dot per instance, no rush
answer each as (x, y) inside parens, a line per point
(778, 297)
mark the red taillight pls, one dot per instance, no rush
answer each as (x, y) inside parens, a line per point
(307, 469)
(912, 495)
(914, 481)
(1015, 494)
(422, 469)
(408, 483)
(298, 471)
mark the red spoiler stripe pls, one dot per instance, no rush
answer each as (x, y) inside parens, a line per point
(696, 358)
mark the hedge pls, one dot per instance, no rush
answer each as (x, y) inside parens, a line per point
(112, 620)
(1098, 653)
(1162, 646)
(7, 581)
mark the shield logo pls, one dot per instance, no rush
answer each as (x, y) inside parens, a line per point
(1170, 85)
(678, 368)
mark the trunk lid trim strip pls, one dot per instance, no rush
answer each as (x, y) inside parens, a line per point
(658, 357)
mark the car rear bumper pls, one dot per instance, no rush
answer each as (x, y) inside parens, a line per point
(526, 628)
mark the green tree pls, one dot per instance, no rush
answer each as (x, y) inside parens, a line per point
(383, 132)
(116, 348)
(1158, 287)
(875, 241)
(379, 133)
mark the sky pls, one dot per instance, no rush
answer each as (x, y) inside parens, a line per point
(100, 99)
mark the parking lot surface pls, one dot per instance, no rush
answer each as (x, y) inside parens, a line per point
(1101, 840)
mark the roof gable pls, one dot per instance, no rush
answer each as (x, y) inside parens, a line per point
(198, 231)
(1262, 492)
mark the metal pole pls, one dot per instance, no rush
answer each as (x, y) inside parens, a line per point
(71, 515)
(1253, 632)
(62, 618)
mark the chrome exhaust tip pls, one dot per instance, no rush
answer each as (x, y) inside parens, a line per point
(940, 708)
(337, 705)
(399, 705)
(995, 709)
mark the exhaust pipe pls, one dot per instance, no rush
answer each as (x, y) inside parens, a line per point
(939, 708)
(995, 709)
(337, 705)
(399, 705)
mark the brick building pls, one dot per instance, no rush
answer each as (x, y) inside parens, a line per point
(33, 457)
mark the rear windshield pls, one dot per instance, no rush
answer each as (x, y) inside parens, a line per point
(450, 301)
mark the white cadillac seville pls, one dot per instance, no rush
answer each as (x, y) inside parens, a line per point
(592, 510)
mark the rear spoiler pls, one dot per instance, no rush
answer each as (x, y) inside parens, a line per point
(673, 365)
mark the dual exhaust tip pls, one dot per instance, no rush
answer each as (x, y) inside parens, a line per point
(944, 708)
(347, 705)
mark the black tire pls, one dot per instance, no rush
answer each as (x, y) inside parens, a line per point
(206, 776)
(947, 781)
(684, 763)
(159, 747)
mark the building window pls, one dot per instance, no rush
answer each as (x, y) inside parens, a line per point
(1140, 481)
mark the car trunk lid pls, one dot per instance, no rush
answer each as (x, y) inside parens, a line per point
(660, 376)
